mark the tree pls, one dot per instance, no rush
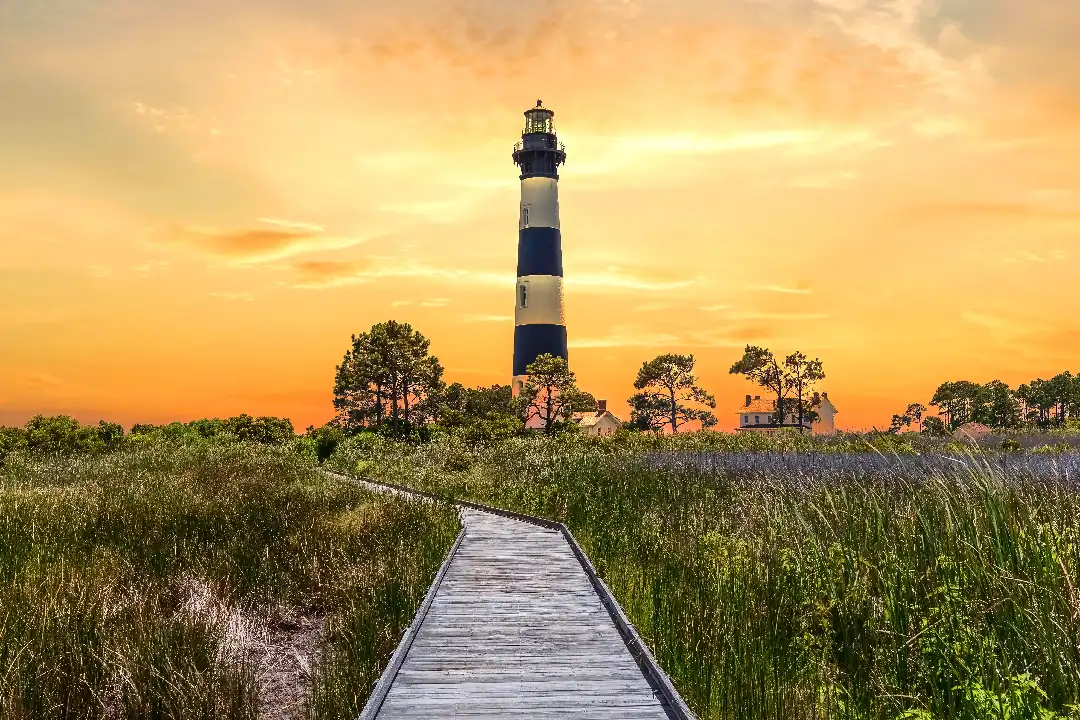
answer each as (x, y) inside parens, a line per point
(479, 414)
(325, 439)
(759, 366)
(956, 400)
(647, 412)
(899, 422)
(802, 373)
(12, 439)
(666, 383)
(549, 393)
(387, 377)
(263, 429)
(1037, 399)
(915, 411)
(1060, 388)
(996, 405)
(934, 426)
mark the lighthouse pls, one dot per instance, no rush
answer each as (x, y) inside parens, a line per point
(539, 322)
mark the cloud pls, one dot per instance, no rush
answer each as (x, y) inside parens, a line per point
(41, 380)
(253, 245)
(781, 289)
(334, 273)
(714, 308)
(151, 267)
(317, 275)
(21, 317)
(487, 318)
(247, 297)
(993, 210)
(779, 316)
(614, 277)
(293, 225)
(652, 340)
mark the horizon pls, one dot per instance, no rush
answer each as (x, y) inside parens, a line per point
(197, 215)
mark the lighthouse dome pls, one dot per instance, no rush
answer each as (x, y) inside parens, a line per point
(539, 120)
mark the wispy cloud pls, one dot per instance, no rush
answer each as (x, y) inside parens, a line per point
(651, 340)
(332, 273)
(487, 318)
(781, 289)
(253, 245)
(996, 211)
(1030, 257)
(152, 267)
(244, 296)
(779, 316)
(293, 225)
(318, 275)
(614, 277)
(41, 380)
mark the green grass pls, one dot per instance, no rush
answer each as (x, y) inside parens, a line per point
(145, 583)
(773, 592)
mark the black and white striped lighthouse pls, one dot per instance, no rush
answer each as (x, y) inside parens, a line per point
(539, 323)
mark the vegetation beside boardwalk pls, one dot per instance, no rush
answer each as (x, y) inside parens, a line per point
(159, 575)
(881, 576)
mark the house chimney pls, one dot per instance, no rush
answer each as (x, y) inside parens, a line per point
(747, 401)
(757, 397)
(825, 395)
(601, 407)
(816, 400)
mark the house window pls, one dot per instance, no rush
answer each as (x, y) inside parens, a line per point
(757, 419)
(524, 291)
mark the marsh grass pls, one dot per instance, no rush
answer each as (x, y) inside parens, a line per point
(788, 581)
(145, 583)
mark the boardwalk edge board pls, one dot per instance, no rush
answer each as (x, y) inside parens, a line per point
(386, 679)
(670, 699)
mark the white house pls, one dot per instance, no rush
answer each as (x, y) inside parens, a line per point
(601, 422)
(757, 415)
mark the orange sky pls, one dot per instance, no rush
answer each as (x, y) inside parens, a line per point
(200, 201)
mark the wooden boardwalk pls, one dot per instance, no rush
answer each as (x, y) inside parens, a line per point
(515, 629)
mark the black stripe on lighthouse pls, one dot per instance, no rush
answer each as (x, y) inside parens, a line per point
(539, 251)
(531, 341)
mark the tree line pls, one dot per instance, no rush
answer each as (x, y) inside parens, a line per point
(388, 380)
(1039, 404)
(62, 434)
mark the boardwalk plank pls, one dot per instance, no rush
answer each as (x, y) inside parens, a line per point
(516, 630)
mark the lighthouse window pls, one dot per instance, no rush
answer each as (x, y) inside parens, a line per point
(524, 295)
(525, 215)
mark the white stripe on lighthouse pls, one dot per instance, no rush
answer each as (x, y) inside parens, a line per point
(539, 203)
(539, 300)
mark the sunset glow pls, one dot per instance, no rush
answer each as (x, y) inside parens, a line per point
(200, 202)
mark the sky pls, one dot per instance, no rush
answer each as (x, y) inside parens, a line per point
(201, 201)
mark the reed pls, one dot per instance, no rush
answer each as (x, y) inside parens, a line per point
(791, 578)
(153, 582)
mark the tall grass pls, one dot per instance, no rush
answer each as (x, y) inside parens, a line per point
(146, 583)
(805, 582)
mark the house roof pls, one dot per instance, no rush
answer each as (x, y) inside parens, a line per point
(592, 418)
(764, 406)
(768, 405)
